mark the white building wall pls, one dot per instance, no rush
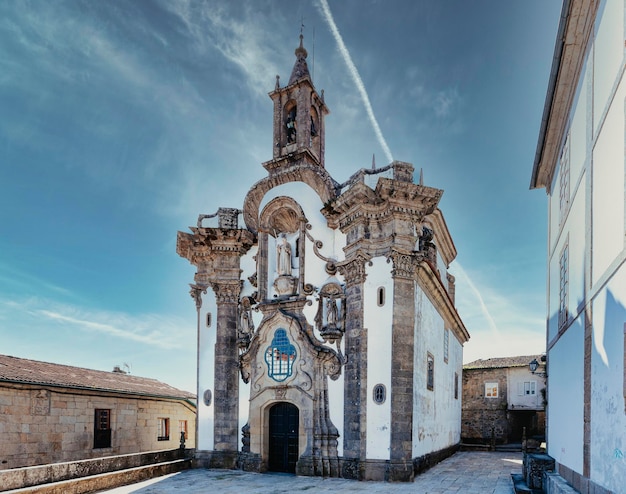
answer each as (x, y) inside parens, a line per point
(436, 413)
(608, 424)
(378, 321)
(579, 131)
(206, 373)
(565, 397)
(608, 189)
(517, 396)
(607, 55)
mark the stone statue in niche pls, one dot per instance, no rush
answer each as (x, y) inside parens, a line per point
(330, 316)
(246, 324)
(283, 256)
(331, 313)
(285, 283)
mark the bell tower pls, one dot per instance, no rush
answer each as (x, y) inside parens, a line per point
(298, 116)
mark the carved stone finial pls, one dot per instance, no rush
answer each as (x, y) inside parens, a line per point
(277, 82)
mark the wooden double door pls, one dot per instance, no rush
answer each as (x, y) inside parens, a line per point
(283, 437)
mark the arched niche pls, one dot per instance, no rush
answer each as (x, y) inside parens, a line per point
(290, 114)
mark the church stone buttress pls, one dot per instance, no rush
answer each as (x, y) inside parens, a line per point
(329, 291)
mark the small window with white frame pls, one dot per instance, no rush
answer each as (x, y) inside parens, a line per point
(491, 390)
(446, 344)
(527, 388)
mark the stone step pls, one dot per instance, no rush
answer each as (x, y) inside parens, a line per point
(520, 486)
(109, 480)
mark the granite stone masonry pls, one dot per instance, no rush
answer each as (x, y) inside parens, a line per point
(462, 473)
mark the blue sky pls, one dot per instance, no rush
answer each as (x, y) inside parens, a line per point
(123, 120)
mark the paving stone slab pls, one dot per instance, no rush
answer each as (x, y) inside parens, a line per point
(467, 472)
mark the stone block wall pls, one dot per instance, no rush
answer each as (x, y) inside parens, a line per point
(48, 425)
(479, 414)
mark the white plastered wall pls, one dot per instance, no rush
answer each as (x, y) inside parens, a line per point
(565, 397)
(608, 424)
(378, 321)
(206, 373)
(436, 413)
(608, 189)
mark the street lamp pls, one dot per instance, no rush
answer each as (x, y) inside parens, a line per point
(533, 366)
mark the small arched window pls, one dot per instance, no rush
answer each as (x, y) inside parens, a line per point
(380, 296)
(379, 394)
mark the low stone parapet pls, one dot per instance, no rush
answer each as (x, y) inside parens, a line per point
(109, 480)
(553, 483)
(18, 478)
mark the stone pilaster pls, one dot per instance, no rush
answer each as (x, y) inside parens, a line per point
(226, 386)
(402, 358)
(355, 369)
(217, 252)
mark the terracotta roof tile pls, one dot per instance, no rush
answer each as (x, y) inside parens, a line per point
(19, 370)
(502, 362)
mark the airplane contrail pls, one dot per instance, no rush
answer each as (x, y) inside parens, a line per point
(328, 16)
(483, 308)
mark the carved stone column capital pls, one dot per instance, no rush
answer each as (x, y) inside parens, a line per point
(196, 292)
(404, 264)
(226, 292)
(353, 270)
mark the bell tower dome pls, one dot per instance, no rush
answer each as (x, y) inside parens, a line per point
(299, 113)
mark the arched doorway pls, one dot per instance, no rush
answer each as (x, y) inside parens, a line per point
(283, 435)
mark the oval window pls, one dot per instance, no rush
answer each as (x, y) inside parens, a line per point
(379, 394)
(380, 296)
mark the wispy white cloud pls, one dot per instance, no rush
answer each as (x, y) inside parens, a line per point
(129, 328)
(242, 40)
(354, 73)
(148, 329)
(500, 324)
(21, 280)
(443, 102)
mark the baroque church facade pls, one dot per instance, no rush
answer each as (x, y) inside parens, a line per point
(328, 339)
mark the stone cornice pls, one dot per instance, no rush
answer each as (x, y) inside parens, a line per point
(412, 198)
(443, 239)
(390, 199)
(577, 20)
(216, 253)
(207, 243)
(430, 283)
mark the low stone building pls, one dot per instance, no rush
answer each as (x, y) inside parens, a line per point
(52, 413)
(501, 397)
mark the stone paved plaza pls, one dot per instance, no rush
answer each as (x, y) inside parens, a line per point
(464, 472)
